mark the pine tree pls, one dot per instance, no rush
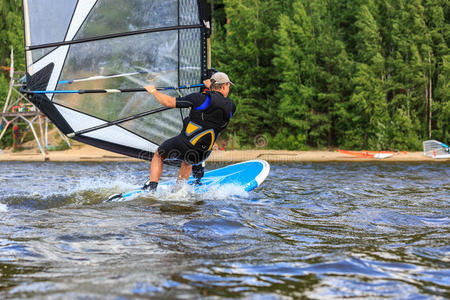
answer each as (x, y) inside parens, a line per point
(295, 65)
(246, 55)
(439, 107)
(442, 105)
(333, 75)
(407, 44)
(366, 116)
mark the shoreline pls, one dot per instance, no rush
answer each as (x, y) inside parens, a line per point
(86, 153)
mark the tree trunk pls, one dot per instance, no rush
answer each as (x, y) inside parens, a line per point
(430, 99)
(430, 112)
(425, 117)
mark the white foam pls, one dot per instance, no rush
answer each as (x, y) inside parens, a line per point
(186, 192)
(102, 185)
(95, 184)
(179, 192)
(221, 192)
(3, 207)
(183, 192)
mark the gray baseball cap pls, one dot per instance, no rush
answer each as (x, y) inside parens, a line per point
(221, 78)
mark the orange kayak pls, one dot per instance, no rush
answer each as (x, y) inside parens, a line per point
(371, 154)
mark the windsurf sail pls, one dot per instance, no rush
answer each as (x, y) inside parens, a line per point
(436, 149)
(109, 50)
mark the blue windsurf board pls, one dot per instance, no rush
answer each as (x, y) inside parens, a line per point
(246, 176)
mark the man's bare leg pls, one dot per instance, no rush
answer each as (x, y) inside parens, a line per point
(156, 167)
(185, 171)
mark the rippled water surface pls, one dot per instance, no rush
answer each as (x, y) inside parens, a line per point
(323, 230)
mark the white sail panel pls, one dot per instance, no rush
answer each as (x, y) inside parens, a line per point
(112, 134)
(80, 15)
(56, 57)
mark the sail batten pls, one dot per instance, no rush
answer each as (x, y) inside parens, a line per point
(110, 36)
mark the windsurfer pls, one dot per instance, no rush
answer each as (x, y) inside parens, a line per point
(210, 114)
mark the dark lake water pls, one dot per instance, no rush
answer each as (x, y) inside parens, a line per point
(313, 230)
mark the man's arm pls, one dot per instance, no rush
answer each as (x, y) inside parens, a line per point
(167, 100)
(162, 98)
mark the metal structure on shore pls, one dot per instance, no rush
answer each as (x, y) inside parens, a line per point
(18, 110)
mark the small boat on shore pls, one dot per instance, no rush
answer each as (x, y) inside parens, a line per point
(371, 154)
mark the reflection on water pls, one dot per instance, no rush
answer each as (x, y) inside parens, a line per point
(318, 230)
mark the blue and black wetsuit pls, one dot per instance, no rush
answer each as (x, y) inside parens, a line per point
(210, 114)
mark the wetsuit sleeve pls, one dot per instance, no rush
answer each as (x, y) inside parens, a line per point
(192, 100)
(233, 109)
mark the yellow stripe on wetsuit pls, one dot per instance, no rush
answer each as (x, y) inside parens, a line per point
(195, 139)
(191, 128)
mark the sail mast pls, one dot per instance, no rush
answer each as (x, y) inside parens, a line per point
(26, 22)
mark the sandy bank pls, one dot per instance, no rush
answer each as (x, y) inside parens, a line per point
(88, 153)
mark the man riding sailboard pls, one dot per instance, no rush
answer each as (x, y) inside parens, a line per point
(210, 114)
(82, 74)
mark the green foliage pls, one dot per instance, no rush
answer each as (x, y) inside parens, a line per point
(11, 35)
(364, 118)
(244, 50)
(285, 139)
(370, 74)
(442, 108)
(7, 140)
(402, 130)
(294, 63)
(314, 69)
(62, 145)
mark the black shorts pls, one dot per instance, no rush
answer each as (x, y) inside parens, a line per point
(178, 148)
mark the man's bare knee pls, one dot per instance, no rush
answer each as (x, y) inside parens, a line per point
(159, 156)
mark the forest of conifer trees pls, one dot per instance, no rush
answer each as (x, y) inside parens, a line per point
(316, 74)
(372, 74)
